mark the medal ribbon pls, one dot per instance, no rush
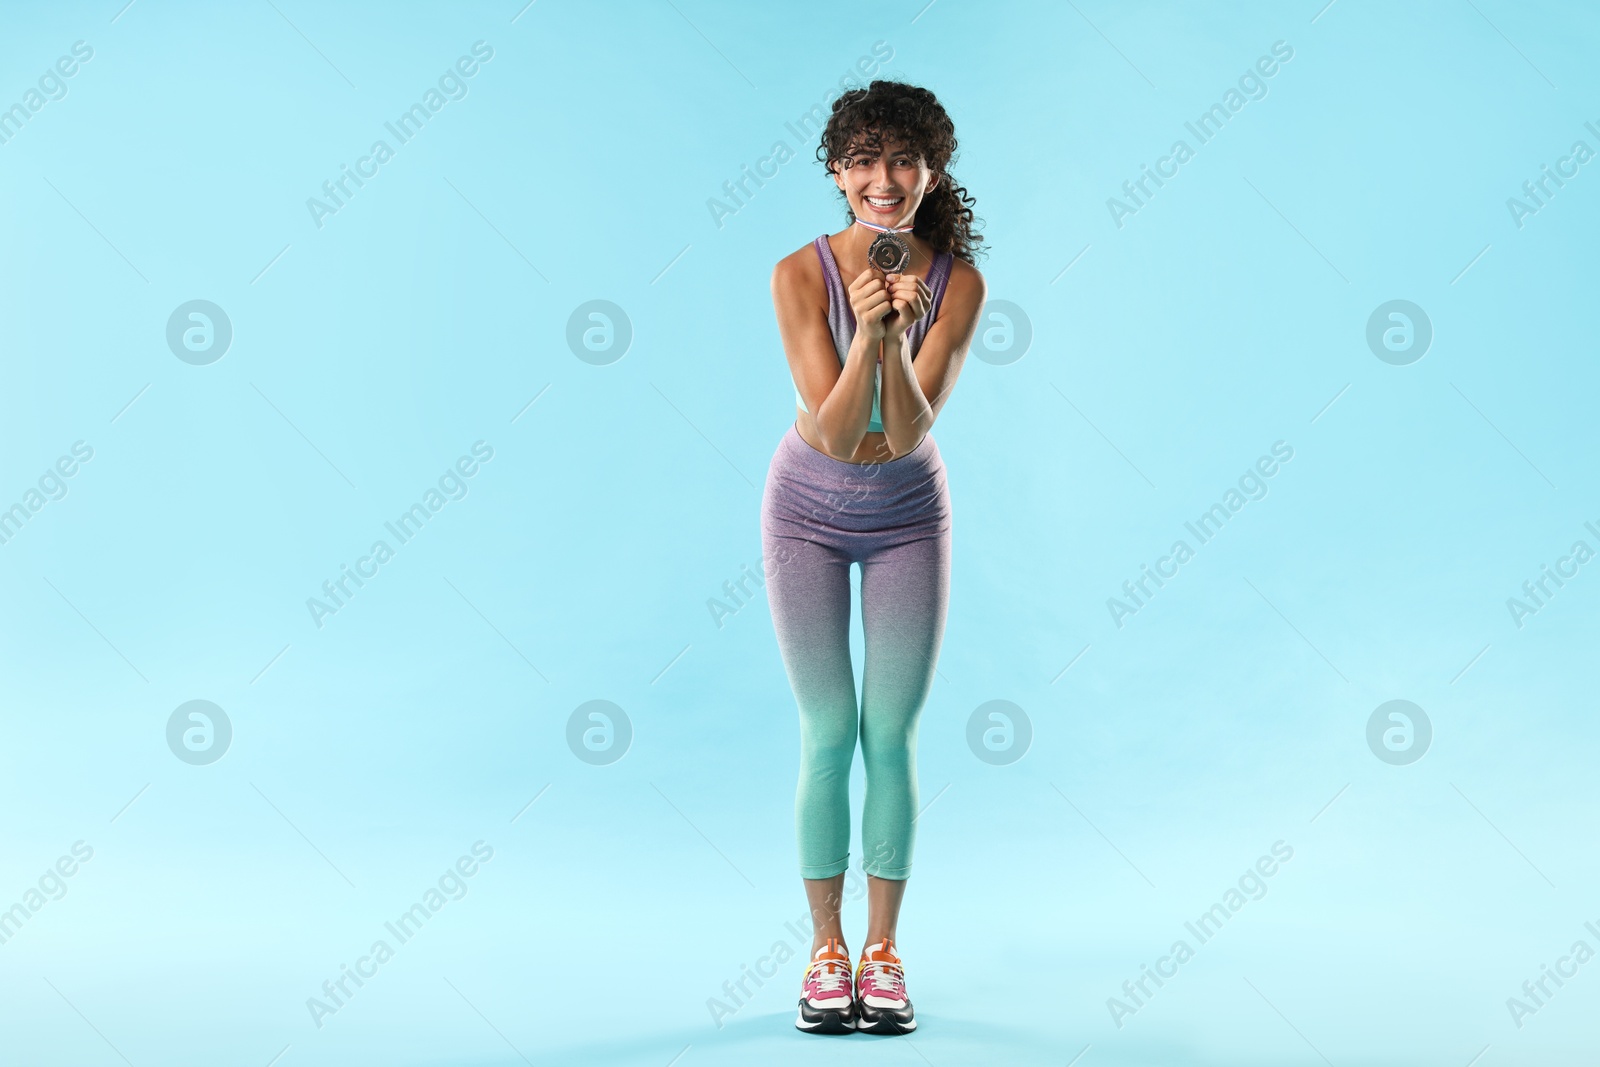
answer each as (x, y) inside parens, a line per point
(884, 229)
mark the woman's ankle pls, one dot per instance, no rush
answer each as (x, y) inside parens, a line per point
(819, 940)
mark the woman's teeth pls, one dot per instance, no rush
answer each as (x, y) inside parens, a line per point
(882, 202)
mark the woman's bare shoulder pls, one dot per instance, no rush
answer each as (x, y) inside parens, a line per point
(969, 275)
(966, 282)
(799, 273)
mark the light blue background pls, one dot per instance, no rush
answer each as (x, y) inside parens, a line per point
(369, 354)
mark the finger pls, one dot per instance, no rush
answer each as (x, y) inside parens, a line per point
(913, 297)
(874, 300)
(872, 296)
(867, 301)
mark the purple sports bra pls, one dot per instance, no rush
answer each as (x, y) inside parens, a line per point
(842, 319)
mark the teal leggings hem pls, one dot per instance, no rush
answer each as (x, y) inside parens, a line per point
(825, 870)
(833, 870)
(893, 874)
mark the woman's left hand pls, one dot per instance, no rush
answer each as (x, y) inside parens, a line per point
(911, 299)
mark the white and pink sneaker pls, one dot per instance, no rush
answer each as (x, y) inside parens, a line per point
(882, 1006)
(826, 1006)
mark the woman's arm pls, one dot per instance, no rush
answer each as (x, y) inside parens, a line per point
(914, 390)
(839, 397)
(844, 412)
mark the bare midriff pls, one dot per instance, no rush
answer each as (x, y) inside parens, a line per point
(874, 446)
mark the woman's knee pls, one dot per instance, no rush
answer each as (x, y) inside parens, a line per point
(827, 750)
(886, 736)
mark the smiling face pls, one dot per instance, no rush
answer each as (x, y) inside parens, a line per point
(883, 185)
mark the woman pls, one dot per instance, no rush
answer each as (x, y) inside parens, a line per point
(858, 479)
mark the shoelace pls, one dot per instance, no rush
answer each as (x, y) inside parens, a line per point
(830, 976)
(887, 976)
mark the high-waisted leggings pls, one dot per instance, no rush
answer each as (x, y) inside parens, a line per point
(818, 516)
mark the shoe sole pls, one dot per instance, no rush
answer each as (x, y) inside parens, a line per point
(884, 1023)
(825, 1021)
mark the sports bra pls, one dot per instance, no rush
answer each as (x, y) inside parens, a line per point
(842, 319)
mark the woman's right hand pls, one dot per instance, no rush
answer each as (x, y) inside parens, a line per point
(869, 299)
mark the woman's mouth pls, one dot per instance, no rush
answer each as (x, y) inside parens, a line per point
(884, 205)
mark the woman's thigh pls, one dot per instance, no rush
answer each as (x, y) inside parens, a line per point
(808, 593)
(905, 597)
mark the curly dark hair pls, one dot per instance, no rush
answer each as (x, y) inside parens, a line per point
(897, 111)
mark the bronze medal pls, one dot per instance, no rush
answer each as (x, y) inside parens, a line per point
(889, 253)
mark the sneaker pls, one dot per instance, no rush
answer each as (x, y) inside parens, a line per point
(882, 1006)
(826, 1006)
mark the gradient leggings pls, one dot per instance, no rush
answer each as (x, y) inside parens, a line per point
(818, 516)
